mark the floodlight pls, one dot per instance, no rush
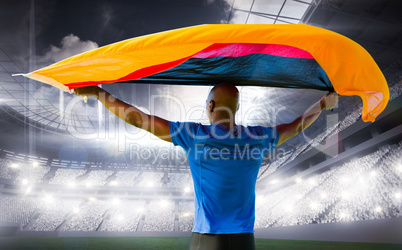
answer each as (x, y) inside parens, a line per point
(274, 181)
(289, 208)
(164, 203)
(314, 205)
(48, 198)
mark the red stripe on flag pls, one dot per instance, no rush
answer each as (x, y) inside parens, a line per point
(243, 49)
(144, 72)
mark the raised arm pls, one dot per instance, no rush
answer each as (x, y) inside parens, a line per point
(287, 131)
(128, 113)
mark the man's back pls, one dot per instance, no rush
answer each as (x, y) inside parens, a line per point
(224, 166)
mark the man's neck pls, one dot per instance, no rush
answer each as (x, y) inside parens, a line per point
(225, 121)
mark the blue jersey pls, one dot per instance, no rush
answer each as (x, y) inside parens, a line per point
(224, 165)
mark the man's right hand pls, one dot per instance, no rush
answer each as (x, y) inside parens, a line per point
(88, 91)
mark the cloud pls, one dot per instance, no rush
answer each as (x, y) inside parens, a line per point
(209, 2)
(70, 45)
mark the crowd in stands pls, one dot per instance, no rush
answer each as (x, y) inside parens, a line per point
(395, 90)
(125, 178)
(150, 179)
(5, 170)
(179, 180)
(318, 138)
(88, 216)
(17, 209)
(160, 216)
(25, 172)
(31, 174)
(52, 213)
(28, 174)
(96, 178)
(363, 188)
(124, 216)
(186, 216)
(66, 176)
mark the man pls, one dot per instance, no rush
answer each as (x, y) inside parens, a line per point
(224, 160)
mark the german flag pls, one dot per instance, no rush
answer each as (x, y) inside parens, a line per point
(281, 55)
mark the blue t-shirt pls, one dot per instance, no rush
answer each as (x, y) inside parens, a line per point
(224, 165)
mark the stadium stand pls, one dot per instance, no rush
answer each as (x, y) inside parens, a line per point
(364, 188)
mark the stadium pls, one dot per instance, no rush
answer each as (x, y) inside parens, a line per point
(73, 176)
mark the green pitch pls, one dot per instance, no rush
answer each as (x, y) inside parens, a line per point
(168, 243)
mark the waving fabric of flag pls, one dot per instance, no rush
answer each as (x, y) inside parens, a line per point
(289, 56)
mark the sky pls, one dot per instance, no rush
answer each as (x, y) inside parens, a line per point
(64, 28)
